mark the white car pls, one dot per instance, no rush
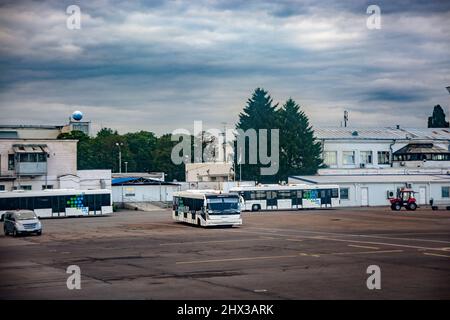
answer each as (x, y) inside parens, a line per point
(21, 222)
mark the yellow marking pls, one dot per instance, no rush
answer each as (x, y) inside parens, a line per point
(435, 254)
(364, 247)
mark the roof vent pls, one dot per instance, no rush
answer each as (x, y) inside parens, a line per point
(355, 133)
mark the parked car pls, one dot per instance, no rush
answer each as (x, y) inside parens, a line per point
(21, 222)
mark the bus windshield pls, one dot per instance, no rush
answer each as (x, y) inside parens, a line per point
(223, 205)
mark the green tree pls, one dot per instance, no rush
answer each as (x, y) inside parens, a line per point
(259, 113)
(299, 151)
(437, 120)
(162, 161)
(141, 145)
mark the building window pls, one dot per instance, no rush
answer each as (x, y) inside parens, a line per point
(383, 157)
(445, 192)
(28, 188)
(330, 158)
(348, 157)
(2, 187)
(344, 193)
(366, 157)
(10, 162)
(47, 187)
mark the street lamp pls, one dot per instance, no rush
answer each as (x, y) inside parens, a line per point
(119, 144)
(126, 166)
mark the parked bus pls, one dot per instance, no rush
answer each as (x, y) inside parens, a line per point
(291, 196)
(58, 202)
(206, 208)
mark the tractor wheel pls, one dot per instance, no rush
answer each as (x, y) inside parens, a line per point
(396, 206)
(412, 206)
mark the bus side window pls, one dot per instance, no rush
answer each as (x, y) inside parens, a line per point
(334, 193)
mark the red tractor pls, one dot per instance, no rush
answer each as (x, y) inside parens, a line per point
(405, 198)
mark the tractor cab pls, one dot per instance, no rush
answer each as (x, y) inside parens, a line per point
(405, 198)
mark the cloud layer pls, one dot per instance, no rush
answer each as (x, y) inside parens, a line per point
(160, 65)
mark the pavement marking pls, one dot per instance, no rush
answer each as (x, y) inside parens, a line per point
(351, 235)
(215, 241)
(366, 252)
(364, 247)
(379, 243)
(236, 259)
(298, 240)
(436, 254)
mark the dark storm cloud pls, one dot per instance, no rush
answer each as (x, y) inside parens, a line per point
(159, 65)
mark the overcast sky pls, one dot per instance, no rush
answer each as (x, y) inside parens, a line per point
(160, 65)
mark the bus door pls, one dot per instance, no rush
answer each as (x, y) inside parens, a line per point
(325, 197)
(271, 198)
(296, 197)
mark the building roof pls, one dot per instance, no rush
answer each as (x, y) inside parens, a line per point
(414, 148)
(139, 181)
(387, 178)
(383, 133)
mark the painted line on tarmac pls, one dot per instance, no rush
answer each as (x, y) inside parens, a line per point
(236, 259)
(436, 254)
(215, 241)
(363, 247)
(381, 243)
(366, 252)
(353, 235)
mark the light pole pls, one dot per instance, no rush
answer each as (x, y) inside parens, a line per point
(119, 144)
(126, 166)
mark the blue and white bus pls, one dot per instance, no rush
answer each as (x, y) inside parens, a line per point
(206, 208)
(58, 202)
(291, 196)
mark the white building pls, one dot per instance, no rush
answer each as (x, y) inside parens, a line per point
(31, 158)
(140, 189)
(370, 164)
(209, 172)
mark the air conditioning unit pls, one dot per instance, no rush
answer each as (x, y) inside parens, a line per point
(390, 194)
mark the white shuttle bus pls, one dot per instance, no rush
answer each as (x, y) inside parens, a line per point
(58, 202)
(206, 208)
(291, 196)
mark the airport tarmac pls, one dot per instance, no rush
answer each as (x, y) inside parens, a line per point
(311, 254)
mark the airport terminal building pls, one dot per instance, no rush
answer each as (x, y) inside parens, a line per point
(370, 164)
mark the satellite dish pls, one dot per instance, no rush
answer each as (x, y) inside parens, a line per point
(77, 115)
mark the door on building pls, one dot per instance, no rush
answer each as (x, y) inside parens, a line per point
(364, 196)
(422, 195)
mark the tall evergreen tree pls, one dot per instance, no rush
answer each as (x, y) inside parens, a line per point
(259, 113)
(300, 152)
(437, 120)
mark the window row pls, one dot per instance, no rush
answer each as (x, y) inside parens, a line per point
(56, 203)
(330, 158)
(290, 194)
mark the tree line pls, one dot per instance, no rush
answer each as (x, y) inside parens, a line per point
(299, 152)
